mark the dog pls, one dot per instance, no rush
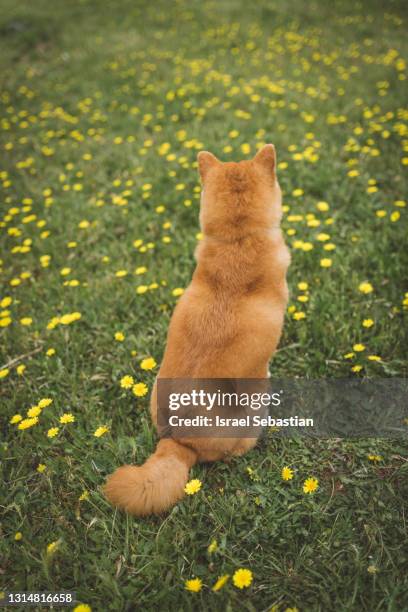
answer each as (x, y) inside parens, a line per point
(227, 324)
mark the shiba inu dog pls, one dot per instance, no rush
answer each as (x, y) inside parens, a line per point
(228, 322)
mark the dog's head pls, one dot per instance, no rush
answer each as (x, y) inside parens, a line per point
(239, 197)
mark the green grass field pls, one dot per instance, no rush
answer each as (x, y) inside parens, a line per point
(104, 106)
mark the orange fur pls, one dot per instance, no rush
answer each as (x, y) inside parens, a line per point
(228, 322)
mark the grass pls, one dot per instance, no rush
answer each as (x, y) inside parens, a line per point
(103, 109)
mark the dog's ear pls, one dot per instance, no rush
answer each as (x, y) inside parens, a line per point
(206, 161)
(266, 157)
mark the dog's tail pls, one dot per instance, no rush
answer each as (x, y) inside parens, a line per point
(154, 486)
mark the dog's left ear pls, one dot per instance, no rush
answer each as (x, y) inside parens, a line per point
(266, 157)
(206, 161)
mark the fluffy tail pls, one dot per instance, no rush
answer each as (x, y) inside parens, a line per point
(154, 486)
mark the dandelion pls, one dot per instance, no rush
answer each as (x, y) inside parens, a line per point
(4, 372)
(374, 358)
(41, 467)
(193, 486)
(358, 347)
(368, 323)
(302, 286)
(357, 368)
(34, 411)
(372, 569)
(310, 485)
(21, 369)
(194, 585)
(287, 473)
(326, 262)
(140, 389)
(100, 431)
(82, 608)
(18, 536)
(374, 458)
(67, 417)
(365, 287)
(52, 432)
(242, 578)
(222, 580)
(50, 352)
(298, 316)
(126, 382)
(119, 337)
(16, 418)
(26, 321)
(84, 496)
(178, 291)
(52, 547)
(148, 364)
(27, 423)
(43, 403)
(212, 547)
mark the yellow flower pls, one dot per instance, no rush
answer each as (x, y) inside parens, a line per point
(52, 432)
(368, 323)
(310, 485)
(52, 547)
(27, 423)
(298, 316)
(287, 473)
(242, 578)
(26, 321)
(4, 372)
(34, 411)
(220, 582)
(41, 467)
(82, 608)
(126, 382)
(358, 348)
(357, 368)
(302, 286)
(140, 389)
(18, 536)
(178, 291)
(148, 364)
(67, 417)
(15, 419)
(212, 547)
(297, 193)
(193, 486)
(374, 458)
(119, 337)
(50, 352)
(101, 431)
(194, 585)
(374, 358)
(141, 289)
(43, 403)
(322, 206)
(20, 369)
(121, 273)
(84, 496)
(326, 262)
(365, 287)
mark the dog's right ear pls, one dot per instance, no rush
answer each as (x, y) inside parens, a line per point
(206, 161)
